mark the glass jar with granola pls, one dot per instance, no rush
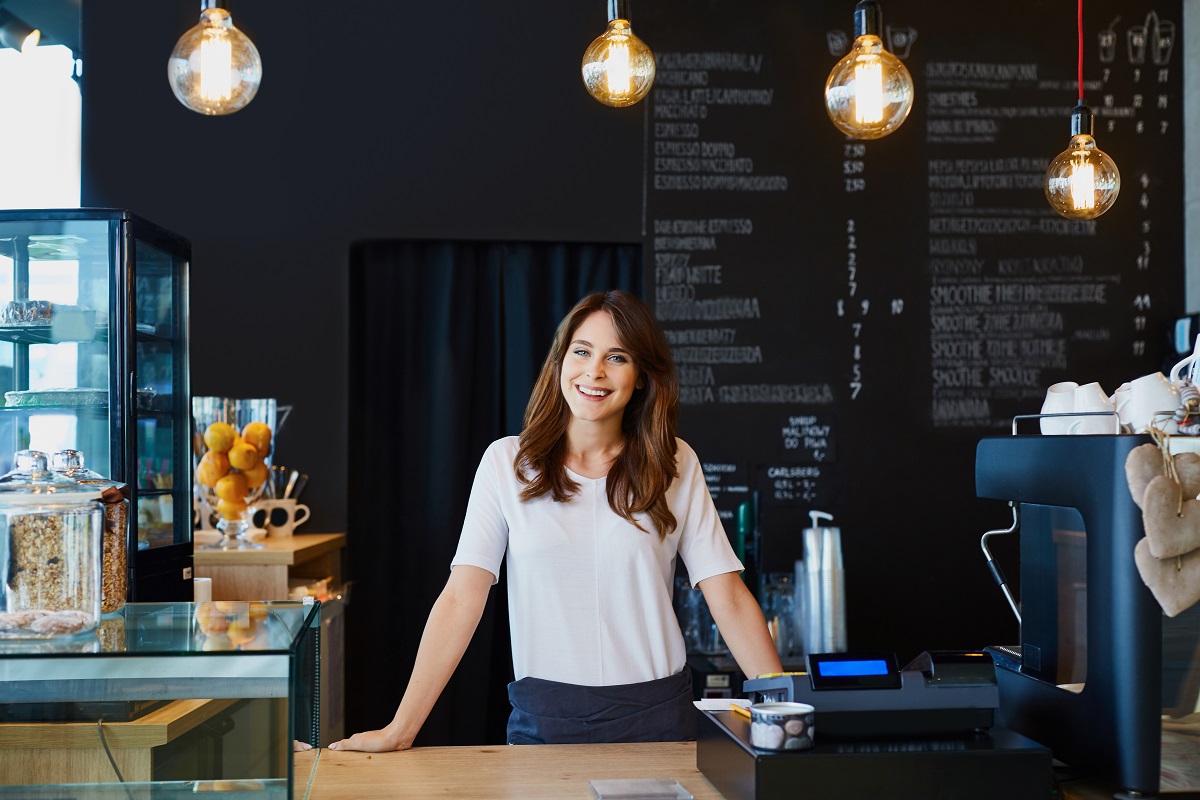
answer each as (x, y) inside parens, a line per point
(50, 534)
(114, 549)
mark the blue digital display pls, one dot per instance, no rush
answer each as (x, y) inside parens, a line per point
(852, 669)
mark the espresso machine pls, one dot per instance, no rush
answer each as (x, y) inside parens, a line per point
(1100, 675)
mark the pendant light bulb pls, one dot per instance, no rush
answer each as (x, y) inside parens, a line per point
(869, 92)
(17, 34)
(1082, 182)
(214, 68)
(618, 67)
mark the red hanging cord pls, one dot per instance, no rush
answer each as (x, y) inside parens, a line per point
(1079, 26)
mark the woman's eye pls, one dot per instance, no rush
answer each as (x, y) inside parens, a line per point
(618, 359)
(580, 352)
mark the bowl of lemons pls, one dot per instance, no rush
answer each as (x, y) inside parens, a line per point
(232, 444)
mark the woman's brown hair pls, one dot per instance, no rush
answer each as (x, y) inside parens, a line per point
(640, 475)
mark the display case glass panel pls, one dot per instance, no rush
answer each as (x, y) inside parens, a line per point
(174, 696)
(93, 357)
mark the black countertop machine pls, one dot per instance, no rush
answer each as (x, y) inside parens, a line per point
(1099, 673)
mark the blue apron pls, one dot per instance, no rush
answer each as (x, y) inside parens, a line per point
(548, 712)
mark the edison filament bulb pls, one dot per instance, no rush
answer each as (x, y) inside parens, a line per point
(869, 92)
(1082, 182)
(214, 68)
(618, 67)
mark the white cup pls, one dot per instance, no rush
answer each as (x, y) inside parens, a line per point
(279, 517)
(202, 590)
(1139, 401)
(1060, 399)
(1091, 398)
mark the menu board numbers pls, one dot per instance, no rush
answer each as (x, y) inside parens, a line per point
(856, 382)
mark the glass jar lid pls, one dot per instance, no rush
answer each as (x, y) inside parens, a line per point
(32, 482)
(70, 464)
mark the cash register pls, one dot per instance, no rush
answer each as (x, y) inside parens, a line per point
(927, 730)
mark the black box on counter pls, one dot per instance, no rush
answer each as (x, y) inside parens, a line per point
(999, 765)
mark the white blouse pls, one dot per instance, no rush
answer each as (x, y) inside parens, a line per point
(589, 594)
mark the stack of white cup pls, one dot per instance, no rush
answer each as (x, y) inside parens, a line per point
(1136, 405)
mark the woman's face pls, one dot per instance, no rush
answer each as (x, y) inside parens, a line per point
(598, 375)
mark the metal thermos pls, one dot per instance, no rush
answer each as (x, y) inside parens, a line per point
(822, 588)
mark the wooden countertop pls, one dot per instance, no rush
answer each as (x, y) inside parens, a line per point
(285, 550)
(541, 772)
(496, 772)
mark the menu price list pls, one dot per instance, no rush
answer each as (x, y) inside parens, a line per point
(707, 265)
(1019, 296)
(848, 317)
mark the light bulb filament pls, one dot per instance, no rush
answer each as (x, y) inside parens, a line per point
(216, 66)
(868, 90)
(618, 69)
(1083, 184)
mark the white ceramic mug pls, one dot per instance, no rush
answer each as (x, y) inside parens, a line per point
(1139, 401)
(1090, 398)
(1060, 399)
(279, 517)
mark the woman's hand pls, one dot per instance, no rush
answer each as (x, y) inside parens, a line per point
(380, 741)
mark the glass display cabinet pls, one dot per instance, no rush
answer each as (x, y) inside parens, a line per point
(94, 358)
(165, 700)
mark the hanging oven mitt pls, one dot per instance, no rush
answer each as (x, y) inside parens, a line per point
(1174, 582)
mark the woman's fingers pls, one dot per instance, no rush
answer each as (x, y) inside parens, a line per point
(368, 742)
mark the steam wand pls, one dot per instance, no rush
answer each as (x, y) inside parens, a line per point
(994, 568)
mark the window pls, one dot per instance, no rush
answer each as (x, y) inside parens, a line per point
(40, 128)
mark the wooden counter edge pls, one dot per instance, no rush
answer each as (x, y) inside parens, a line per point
(286, 550)
(155, 728)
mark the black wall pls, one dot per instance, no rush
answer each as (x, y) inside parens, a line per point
(375, 120)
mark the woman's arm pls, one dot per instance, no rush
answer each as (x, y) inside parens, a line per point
(451, 624)
(741, 623)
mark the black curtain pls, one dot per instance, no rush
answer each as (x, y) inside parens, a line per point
(446, 339)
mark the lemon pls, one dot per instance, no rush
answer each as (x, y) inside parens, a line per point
(212, 467)
(243, 456)
(231, 509)
(256, 476)
(241, 631)
(233, 486)
(259, 435)
(219, 436)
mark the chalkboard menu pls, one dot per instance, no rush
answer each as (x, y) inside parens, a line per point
(850, 317)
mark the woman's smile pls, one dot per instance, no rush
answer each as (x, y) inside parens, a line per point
(598, 375)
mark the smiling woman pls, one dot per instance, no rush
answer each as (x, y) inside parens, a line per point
(41, 131)
(589, 510)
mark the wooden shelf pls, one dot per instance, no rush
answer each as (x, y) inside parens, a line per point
(263, 574)
(286, 550)
(71, 752)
